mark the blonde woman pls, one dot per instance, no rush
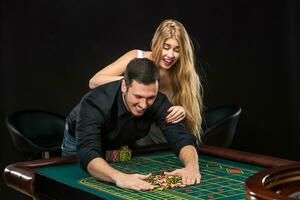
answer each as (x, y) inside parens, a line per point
(172, 51)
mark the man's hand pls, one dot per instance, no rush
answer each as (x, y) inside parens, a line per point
(189, 175)
(101, 170)
(133, 181)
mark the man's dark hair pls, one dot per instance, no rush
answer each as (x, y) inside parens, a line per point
(142, 70)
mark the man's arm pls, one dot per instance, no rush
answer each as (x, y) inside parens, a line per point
(181, 141)
(189, 157)
(190, 173)
(94, 111)
(100, 169)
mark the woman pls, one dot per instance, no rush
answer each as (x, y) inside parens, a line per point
(172, 51)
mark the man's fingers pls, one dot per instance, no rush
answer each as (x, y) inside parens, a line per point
(143, 177)
(134, 187)
(141, 185)
(190, 180)
(173, 173)
(146, 186)
(185, 180)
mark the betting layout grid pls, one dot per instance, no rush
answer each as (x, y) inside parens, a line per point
(221, 179)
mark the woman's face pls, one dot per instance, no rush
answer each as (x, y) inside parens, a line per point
(170, 53)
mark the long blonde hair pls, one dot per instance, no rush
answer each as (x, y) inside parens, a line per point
(186, 85)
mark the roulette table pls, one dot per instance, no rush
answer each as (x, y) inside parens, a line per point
(224, 173)
(275, 183)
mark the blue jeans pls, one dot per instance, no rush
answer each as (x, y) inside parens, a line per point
(68, 147)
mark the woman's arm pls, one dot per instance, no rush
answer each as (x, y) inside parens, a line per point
(112, 72)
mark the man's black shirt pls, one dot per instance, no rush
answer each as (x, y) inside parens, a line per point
(101, 121)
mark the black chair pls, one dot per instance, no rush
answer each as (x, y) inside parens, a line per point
(219, 125)
(36, 132)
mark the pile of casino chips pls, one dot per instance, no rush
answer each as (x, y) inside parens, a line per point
(121, 155)
(162, 182)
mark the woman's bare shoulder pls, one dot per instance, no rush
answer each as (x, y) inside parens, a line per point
(148, 54)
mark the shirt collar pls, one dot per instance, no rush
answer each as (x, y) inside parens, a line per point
(121, 106)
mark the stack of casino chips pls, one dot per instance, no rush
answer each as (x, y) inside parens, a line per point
(121, 155)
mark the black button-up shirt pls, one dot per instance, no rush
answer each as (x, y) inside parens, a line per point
(101, 121)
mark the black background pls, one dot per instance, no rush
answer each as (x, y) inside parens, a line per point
(249, 52)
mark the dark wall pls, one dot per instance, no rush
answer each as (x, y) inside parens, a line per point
(249, 53)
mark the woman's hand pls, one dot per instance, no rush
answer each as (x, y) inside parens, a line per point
(176, 114)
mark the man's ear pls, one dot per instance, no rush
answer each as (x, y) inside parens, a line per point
(123, 86)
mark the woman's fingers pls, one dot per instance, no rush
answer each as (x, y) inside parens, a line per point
(176, 114)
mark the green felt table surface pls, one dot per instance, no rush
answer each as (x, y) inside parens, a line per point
(221, 179)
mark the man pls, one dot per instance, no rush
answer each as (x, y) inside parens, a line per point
(118, 114)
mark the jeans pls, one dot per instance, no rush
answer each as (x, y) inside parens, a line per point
(68, 147)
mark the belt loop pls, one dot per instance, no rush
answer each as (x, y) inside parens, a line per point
(67, 126)
(70, 131)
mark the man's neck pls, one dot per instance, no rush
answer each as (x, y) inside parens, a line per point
(124, 101)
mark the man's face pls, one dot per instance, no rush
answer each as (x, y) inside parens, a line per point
(138, 97)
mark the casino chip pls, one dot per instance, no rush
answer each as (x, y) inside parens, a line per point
(120, 155)
(162, 182)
